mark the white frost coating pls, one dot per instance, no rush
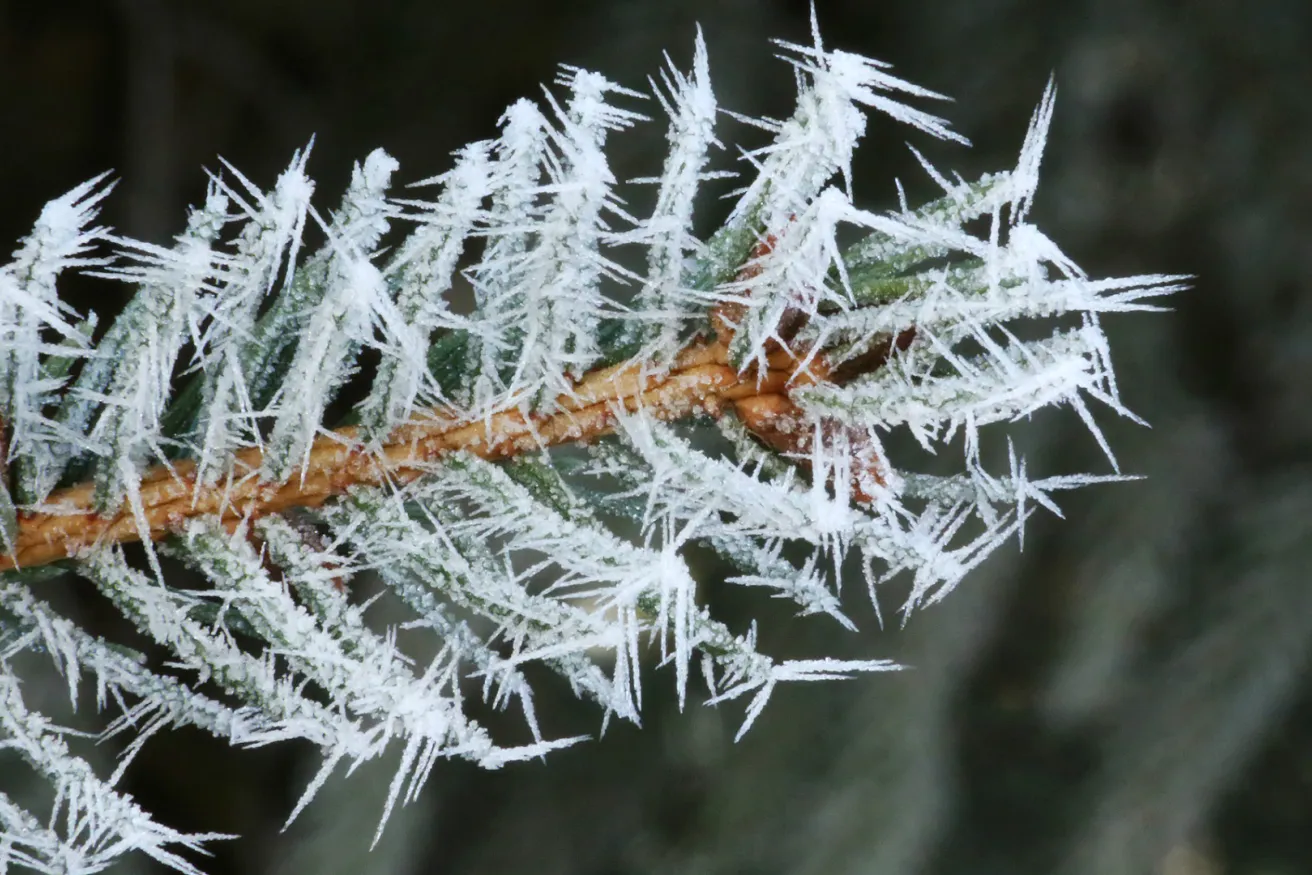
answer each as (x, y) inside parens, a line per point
(809, 148)
(354, 301)
(577, 561)
(363, 674)
(29, 307)
(99, 824)
(791, 280)
(458, 557)
(550, 322)
(496, 327)
(664, 300)
(684, 489)
(1009, 383)
(818, 140)
(608, 594)
(160, 702)
(423, 269)
(173, 284)
(227, 418)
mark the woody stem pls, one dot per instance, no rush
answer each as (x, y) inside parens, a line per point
(700, 380)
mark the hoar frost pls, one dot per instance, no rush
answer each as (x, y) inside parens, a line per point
(513, 553)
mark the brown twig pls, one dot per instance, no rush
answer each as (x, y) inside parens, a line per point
(700, 380)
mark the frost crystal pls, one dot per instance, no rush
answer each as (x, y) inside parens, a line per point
(528, 477)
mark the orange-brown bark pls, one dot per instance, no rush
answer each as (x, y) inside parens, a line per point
(701, 380)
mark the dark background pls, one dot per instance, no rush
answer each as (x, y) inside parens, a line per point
(1129, 695)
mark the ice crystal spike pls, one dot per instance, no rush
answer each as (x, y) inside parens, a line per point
(423, 271)
(528, 476)
(31, 312)
(665, 301)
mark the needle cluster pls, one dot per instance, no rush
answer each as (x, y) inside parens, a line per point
(530, 477)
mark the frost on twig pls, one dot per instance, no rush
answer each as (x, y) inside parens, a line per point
(528, 477)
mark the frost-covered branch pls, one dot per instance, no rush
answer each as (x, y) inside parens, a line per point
(527, 477)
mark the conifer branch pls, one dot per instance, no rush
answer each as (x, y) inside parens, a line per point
(806, 353)
(700, 381)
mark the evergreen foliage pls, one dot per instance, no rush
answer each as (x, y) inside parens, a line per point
(734, 394)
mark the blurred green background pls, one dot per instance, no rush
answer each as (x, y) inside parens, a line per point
(1128, 695)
